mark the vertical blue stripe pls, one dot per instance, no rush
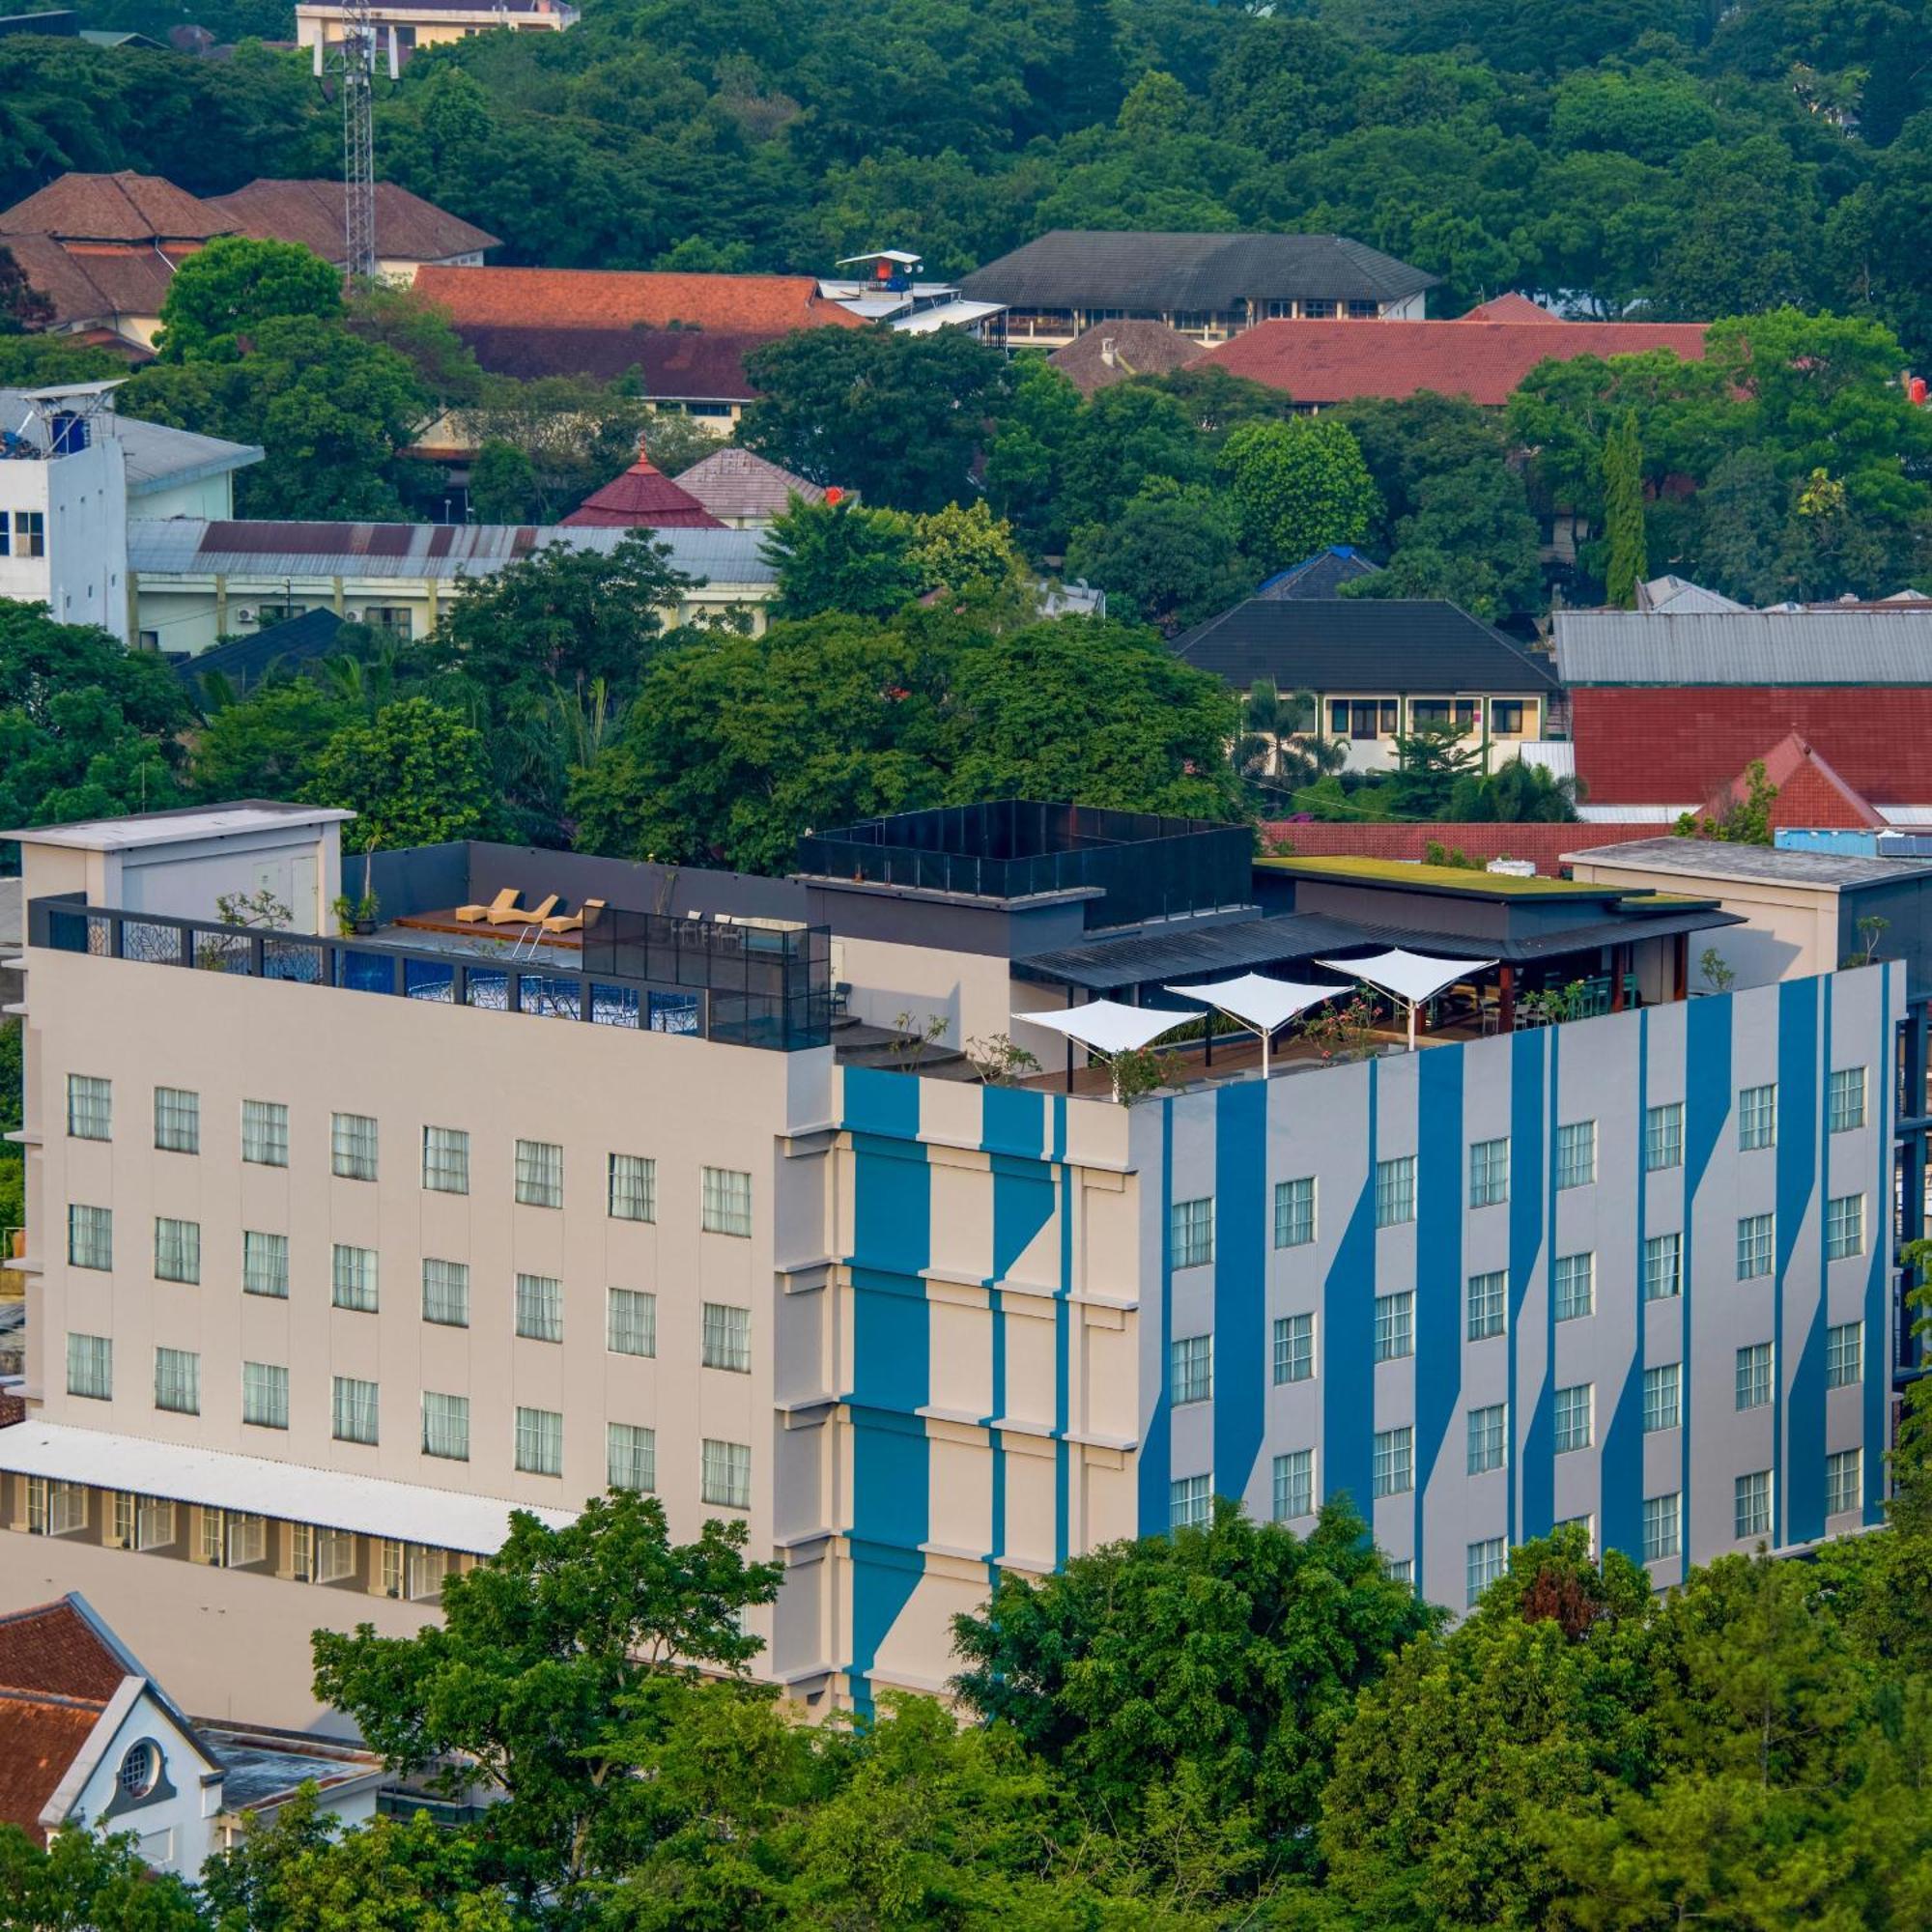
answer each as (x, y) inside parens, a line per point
(1878, 1367)
(1063, 1318)
(1240, 1303)
(1156, 1472)
(1620, 1469)
(1529, 1160)
(1707, 1105)
(1347, 1338)
(1798, 1427)
(1439, 1196)
(1012, 1129)
(892, 1359)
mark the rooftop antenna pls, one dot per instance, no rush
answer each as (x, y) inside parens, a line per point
(353, 62)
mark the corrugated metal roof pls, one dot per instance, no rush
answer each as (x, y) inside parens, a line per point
(191, 547)
(158, 457)
(1747, 647)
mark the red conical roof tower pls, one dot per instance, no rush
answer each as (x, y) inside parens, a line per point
(644, 498)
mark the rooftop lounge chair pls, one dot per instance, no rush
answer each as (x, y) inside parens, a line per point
(504, 902)
(574, 922)
(514, 915)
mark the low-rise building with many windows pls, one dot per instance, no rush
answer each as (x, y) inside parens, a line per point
(343, 1247)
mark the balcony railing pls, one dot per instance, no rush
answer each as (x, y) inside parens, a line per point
(740, 986)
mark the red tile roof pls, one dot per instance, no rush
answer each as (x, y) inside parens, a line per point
(616, 299)
(1544, 846)
(89, 284)
(674, 364)
(1508, 307)
(644, 498)
(1324, 362)
(115, 208)
(39, 1739)
(408, 228)
(1810, 793)
(1675, 745)
(54, 1648)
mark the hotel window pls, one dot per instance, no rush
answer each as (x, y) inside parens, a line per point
(1192, 1232)
(391, 1566)
(1752, 1505)
(725, 1474)
(1663, 1397)
(1190, 1503)
(632, 1454)
(30, 533)
(1461, 712)
(1191, 1369)
(1664, 1136)
(1488, 1432)
(634, 1188)
(1293, 1213)
(1318, 308)
(540, 1173)
(264, 1133)
(90, 1108)
(265, 1395)
(1847, 1099)
(1488, 1304)
(1757, 1117)
(1490, 1173)
(1576, 1414)
(445, 1160)
(540, 1441)
(90, 1367)
(90, 1236)
(1844, 1354)
(1295, 1349)
(334, 1555)
(1294, 1486)
(1395, 1325)
(393, 618)
(55, 1509)
(1844, 1227)
(176, 1250)
(1662, 1526)
(1575, 1285)
(1507, 717)
(446, 1426)
(1588, 1525)
(631, 1323)
(177, 1381)
(1399, 1568)
(1363, 311)
(728, 1337)
(1395, 1191)
(1844, 1481)
(1363, 719)
(1662, 1267)
(1755, 1246)
(1394, 1468)
(446, 1293)
(353, 1410)
(727, 1201)
(1486, 1561)
(1753, 1375)
(265, 1264)
(353, 1279)
(1577, 1154)
(427, 1571)
(352, 1146)
(176, 1121)
(539, 1308)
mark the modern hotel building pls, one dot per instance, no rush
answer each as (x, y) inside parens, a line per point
(336, 1253)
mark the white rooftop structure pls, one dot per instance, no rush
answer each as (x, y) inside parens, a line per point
(1263, 1005)
(1108, 1027)
(175, 827)
(158, 457)
(255, 1486)
(1408, 978)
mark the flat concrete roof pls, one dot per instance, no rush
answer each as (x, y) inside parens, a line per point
(1753, 864)
(180, 827)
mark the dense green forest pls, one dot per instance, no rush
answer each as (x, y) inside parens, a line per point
(1697, 158)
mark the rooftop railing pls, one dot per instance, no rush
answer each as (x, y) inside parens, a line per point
(740, 985)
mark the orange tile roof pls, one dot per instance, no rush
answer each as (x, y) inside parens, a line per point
(53, 1648)
(608, 298)
(1811, 792)
(91, 284)
(408, 228)
(40, 1738)
(1324, 362)
(1508, 307)
(122, 207)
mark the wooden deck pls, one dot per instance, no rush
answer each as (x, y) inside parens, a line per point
(510, 932)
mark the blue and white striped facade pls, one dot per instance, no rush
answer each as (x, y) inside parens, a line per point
(1012, 1296)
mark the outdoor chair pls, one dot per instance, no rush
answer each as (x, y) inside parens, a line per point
(513, 915)
(504, 903)
(574, 922)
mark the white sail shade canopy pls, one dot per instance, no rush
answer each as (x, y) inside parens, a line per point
(1408, 978)
(1260, 1004)
(1108, 1027)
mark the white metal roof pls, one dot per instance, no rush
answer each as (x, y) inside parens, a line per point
(1109, 1026)
(328, 1498)
(1410, 976)
(180, 828)
(958, 314)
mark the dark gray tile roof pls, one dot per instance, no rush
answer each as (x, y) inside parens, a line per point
(1361, 643)
(1074, 267)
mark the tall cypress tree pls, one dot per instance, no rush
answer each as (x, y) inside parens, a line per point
(1622, 512)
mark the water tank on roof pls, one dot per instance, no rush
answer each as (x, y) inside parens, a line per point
(66, 432)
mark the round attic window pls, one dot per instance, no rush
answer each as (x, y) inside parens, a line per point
(140, 1770)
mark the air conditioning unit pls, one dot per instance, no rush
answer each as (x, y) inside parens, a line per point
(351, 616)
(245, 615)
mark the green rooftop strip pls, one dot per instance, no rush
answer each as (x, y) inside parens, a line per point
(1443, 878)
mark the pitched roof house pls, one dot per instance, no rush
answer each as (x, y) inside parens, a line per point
(743, 490)
(1206, 286)
(89, 1740)
(1321, 575)
(642, 497)
(102, 248)
(1111, 352)
(1323, 363)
